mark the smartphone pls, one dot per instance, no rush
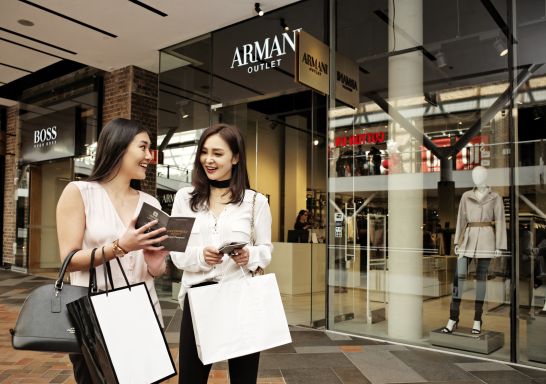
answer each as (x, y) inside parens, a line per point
(229, 247)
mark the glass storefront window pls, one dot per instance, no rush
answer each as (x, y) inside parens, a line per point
(392, 182)
(399, 166)
(217, 79)
(59, 126)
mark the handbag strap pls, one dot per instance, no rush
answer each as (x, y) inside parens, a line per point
(66, 261)
(252, 227)
(259, 270)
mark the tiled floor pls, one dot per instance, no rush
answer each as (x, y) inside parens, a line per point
(313, 357)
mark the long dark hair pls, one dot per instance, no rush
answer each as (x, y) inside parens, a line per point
(239, 175)
(113, 141)
(300, 214)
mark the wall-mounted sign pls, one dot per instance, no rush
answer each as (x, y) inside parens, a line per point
(360, 139)
(266, 54)
(471, 155)
(48, 137)
(347, 78)
(312, 62)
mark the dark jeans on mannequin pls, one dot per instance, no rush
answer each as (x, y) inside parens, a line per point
(242, 370)
(461, 274)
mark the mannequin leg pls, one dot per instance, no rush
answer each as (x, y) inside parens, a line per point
(481, 284)
(461, 271)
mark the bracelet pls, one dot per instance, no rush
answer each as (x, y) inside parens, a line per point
(117, 250)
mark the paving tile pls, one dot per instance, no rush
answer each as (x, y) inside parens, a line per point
(380, 366)
(310, 376)
(269, 373)
(432, 368)
(484, 366)
(503, 377)
(328, 349)
(296, 361)
(531, 372)
(351, 375)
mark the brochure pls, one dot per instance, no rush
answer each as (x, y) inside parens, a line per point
(178, 228)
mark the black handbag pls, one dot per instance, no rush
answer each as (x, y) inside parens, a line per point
(44, 323)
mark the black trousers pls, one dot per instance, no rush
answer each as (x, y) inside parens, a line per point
(242, 370)
(81, 373)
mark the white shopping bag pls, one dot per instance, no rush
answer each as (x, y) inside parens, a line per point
(237, 318)
(135, 343)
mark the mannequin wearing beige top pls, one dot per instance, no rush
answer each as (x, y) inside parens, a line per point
(480, 235)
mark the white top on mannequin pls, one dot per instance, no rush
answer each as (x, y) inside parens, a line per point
(479, 177)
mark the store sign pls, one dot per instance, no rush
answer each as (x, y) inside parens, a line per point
(312, 62)
(475, 153)
(360, 139)
(347, 78)
(49, 137)
(263, 55)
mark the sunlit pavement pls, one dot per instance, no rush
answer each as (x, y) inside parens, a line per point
(314, 357)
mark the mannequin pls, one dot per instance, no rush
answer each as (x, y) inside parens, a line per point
(480, 236)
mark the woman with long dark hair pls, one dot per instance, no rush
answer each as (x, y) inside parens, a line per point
(101, 213)
(223, 205)
(302, 221)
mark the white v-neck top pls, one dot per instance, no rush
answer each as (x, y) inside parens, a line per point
(102, 226)
(232, 224)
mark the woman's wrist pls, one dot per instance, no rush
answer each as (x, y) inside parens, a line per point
(155, 273)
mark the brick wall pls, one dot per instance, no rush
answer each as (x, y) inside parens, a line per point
(12, 156)
(132, 93)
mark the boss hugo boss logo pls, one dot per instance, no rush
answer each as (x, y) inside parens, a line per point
(45, 137)
(262, 55)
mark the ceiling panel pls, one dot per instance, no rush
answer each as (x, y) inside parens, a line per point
(67, 30)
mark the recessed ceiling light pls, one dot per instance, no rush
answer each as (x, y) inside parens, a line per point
(26, 23)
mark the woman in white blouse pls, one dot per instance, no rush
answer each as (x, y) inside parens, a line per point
(222, 204)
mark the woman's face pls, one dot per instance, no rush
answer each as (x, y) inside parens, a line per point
(303, 217)
(137, 157)
(217, 159)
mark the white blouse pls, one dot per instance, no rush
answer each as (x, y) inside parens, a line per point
(102, 226)
(233, 224)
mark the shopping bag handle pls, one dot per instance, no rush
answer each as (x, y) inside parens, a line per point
(107, 272)
(92, 287)
(123, 272)
(66, 261)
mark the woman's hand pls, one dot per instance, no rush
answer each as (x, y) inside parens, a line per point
(212, 256)
(241, 256)
(155, 261)
(134, 239)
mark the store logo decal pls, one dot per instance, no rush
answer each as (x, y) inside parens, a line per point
(347, 82)
(259, 56)
(315, 65)
(45, 137)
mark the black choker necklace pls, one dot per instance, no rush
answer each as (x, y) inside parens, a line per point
(219, 183)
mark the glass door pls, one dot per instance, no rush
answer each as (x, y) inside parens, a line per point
(47, 182)
(286, 163)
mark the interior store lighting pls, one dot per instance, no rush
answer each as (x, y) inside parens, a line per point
(501, 48)
(284, 25)
(316, 142)
(258, 9)
(441, 60)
